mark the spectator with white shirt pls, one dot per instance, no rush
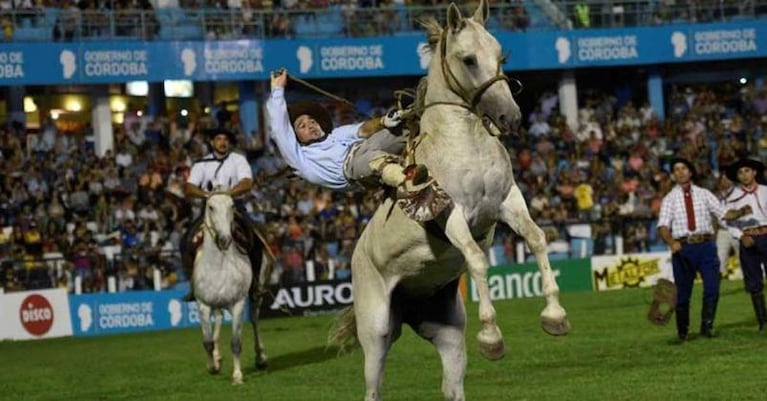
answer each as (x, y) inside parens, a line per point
(751, 228)
(685, 225)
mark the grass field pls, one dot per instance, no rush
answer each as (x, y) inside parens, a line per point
(612, 354)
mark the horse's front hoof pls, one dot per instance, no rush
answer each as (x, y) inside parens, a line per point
(214, 370)
(492, 351)
(555, 327)
(491, 344)
(237, 378)
(262, 363)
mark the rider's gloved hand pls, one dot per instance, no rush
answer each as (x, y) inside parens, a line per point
(392, 119)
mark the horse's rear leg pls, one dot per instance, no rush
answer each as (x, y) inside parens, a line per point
(457, 230)
(262, 361)
(207, 338)
(238, 310)
(374, 326)
(514, 213)
(444, 326)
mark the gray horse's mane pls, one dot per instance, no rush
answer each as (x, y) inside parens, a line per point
(433, 31)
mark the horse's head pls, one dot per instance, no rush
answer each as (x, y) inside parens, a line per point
(219, 215)
(470, 62)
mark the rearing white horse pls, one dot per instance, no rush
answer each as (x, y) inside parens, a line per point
(406, 272)
(222, 280)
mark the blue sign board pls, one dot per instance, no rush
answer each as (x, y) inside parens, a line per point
(238, 60)
(130, 312)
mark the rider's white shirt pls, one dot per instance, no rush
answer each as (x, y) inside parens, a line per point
(222, 174)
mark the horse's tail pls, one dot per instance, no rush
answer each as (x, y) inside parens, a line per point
(343, 334)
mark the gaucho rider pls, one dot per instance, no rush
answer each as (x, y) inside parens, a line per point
(336, 158)
(221, 170)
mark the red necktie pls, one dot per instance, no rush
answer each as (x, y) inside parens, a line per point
(689, 208)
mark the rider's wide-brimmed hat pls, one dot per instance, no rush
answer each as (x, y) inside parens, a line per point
(211, 133)
(314, 110)
(690, 166)
(731, 171)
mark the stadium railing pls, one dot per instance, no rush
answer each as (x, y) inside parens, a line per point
(54, 24)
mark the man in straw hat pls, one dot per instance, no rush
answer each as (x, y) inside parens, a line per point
(685, 225)
(337, 158)
(220, 170)
(750, 196)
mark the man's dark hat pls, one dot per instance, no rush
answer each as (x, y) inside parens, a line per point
(732, 170)
(313, 110)
(211, 133)
(686, 162)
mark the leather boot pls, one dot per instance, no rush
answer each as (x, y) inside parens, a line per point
(682, 321)
(759, 309)
(707, 314)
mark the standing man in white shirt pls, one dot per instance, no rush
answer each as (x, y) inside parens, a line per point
(685, 225)
(338, 158)
(724, 241)
(221, 170)
(750, 195)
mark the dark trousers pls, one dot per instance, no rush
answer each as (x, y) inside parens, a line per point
(696, 258)
(751, 260)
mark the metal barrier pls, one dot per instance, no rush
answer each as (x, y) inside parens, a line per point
(71, 24)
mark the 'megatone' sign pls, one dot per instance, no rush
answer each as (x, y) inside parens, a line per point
(631, 270)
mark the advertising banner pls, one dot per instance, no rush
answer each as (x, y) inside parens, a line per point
(127, 312)
(30, 315)
(524, 280)
(304, 299)
(630, 270)
(252, 59)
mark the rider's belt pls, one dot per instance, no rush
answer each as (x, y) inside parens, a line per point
(755, 231)
(696, 239)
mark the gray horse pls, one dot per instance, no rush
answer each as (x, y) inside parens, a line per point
(407, 272)
(222, 280)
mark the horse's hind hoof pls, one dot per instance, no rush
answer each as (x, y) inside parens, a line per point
(237, 378)
(214, 370)
(555, 327)
(262, 364)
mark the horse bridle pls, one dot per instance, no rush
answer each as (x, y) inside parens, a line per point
(471, 98)
(207, 226)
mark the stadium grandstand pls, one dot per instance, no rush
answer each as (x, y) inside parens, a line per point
(104, 104)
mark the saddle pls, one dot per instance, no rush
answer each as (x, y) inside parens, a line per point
(423, 204)
(664, 292)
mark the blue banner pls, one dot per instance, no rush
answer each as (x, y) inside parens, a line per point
(114, 62)
(127, 312)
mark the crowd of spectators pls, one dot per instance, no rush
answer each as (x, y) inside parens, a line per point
(228, 19)
(67, 20)
(69, 213)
